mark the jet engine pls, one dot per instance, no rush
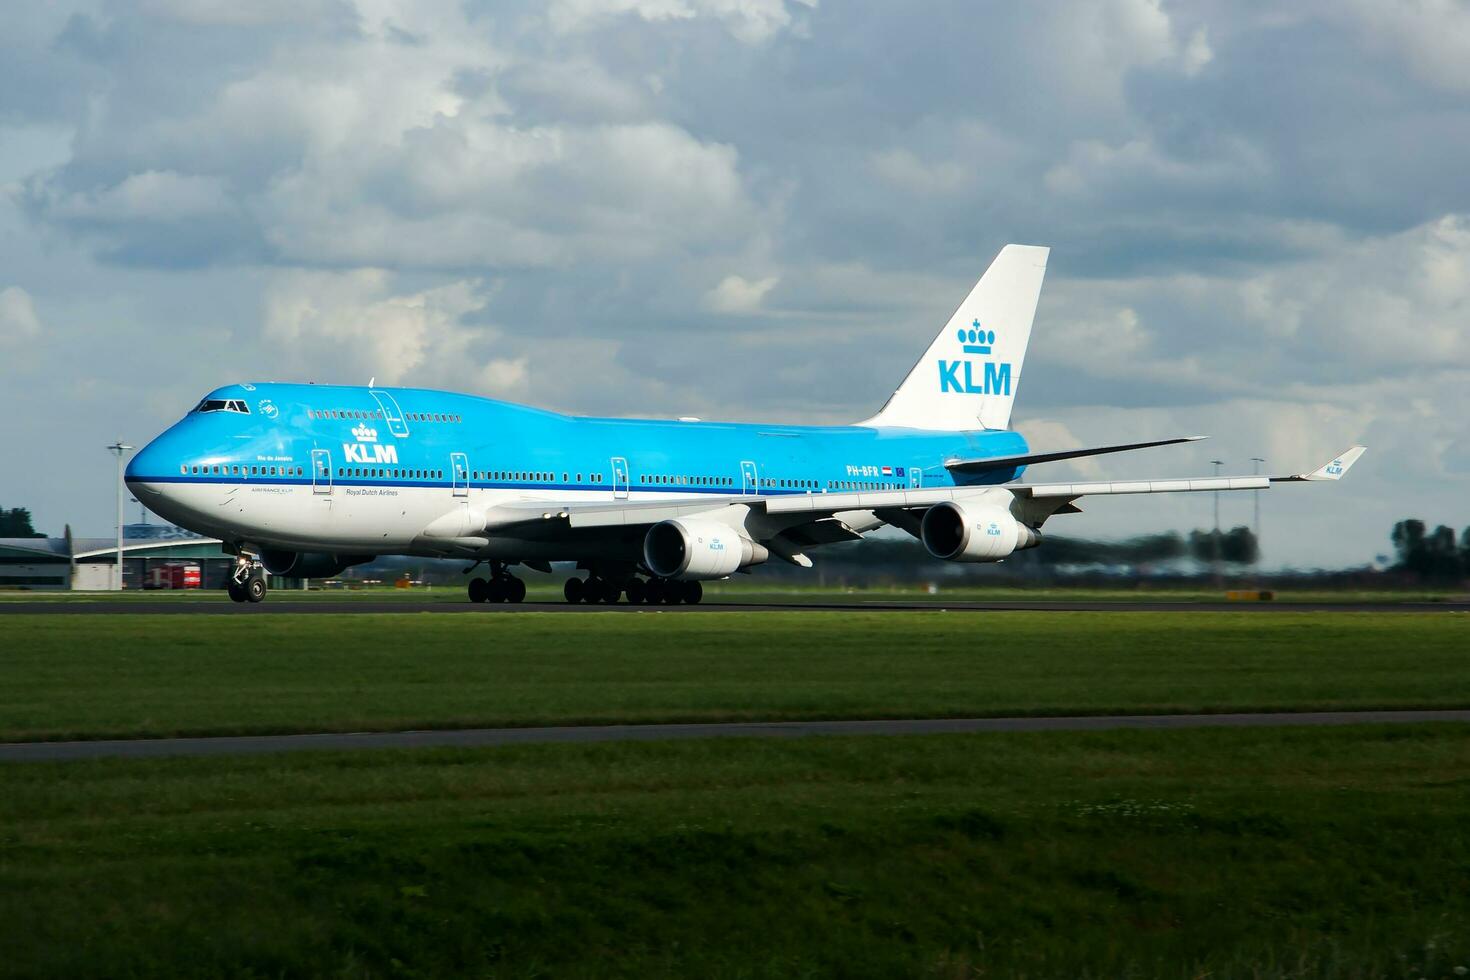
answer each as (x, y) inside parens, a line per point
(956, 532)
(694, 549)
(308, 564)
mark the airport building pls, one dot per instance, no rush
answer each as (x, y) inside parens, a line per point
(90, 564)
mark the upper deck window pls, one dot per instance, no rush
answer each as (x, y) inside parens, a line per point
(223, 405)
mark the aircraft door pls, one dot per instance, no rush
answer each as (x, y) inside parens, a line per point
(749, 483)
(459, 474)
(916, 477)
(391, 414)
(620, 478)
(321, 471)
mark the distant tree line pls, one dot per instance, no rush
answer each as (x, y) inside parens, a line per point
(1237, 546)
(16, 523)
(1433, 556)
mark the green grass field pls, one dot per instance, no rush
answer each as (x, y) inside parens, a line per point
(106, 676)
(1262, 853)
(1246, 853)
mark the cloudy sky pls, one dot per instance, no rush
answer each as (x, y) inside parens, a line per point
(756, 210)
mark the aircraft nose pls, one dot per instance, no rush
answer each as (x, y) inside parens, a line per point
(146, 466)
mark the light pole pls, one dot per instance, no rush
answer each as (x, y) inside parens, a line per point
(1215, 541)
(1256, 471)
(118, 449)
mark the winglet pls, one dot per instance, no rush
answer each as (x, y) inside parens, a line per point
(1335, 469)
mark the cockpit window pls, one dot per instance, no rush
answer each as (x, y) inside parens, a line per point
(223, 405)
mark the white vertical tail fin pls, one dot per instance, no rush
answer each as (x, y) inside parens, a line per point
(967, 379)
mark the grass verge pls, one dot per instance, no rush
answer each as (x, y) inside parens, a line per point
(1286, 853)
(138, 675)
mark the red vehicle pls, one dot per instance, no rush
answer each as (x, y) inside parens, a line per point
(173, 576)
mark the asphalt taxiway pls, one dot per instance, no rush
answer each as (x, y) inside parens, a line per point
(348, 605)
(489, 737)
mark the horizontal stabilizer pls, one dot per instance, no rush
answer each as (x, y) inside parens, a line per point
(1329, 471)
(1026, 459)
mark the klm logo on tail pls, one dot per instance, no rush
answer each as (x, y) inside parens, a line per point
(959, 375)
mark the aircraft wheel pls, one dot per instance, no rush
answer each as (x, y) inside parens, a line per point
(653, 592)
(693, 593)
(592, 589)
(255, 588)
(515, 590)
(575, 590)
(673, 592)
(236, 591)
(495, 590)
(637, 592)
(479, 590)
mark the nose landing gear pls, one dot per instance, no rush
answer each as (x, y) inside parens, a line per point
(247, 580)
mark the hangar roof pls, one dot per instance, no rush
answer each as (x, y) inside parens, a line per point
(83, 549)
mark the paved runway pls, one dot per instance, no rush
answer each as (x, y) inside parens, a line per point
(348, 605)
(482, 737)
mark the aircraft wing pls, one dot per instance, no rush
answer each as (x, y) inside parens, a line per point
(802, 508)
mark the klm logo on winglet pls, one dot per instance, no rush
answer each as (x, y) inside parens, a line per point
(1334, 468)
(959, 376)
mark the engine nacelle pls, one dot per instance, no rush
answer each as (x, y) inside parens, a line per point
(308, 564)
(686, 549)
(956, 532)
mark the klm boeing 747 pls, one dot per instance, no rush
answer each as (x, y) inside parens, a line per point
(305, 480)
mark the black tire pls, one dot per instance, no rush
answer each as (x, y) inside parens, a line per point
(637, 592)
(611, 593)
(653, 592)
(592, 589)
(236, 591)
(495, 590)
(515, 590)
(693, 593)
(479, 590)
(673, 592)
(255, 588)
(575, 590)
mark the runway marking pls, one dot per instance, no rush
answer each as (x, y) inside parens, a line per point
(486, 737)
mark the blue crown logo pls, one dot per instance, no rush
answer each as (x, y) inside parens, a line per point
(975, 340)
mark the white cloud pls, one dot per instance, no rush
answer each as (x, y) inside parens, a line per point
(351, 326)
(255, 13)
(149, 196)
(901, 166)
(1099, 42)
(752, 21)
(736, 294)
(1323, 331)
(18, 321)
(1140, 167)
(1431, 37)
(1051, 435)
(471, 191)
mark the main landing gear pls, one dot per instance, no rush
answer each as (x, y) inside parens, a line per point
(653, 592)
(500, 587)
(247, 580)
